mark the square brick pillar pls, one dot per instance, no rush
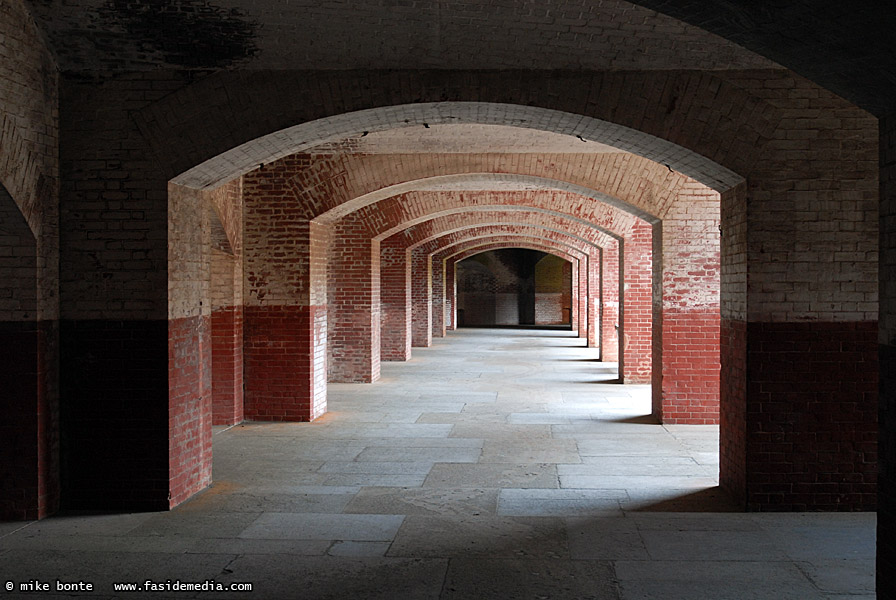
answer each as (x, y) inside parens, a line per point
(450, 294)
(686, 311)
(438, 297)
(354, 304)
(799, 360)
(606, 273)
(285, 296)
(592, 302)
(636, 308)
(29, 411)
(579, 320)
(395, 298)
(226, 338)
(421, 298)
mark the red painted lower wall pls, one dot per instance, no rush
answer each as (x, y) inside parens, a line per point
(285, 362)
(733, 409)
(811, 416)
(227, 365)
(189, 407)
(689, 392)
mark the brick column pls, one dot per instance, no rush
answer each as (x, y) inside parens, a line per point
(450, 295)
(686, 311)
(799, 355)
(575, 303)
(606, 272)
(395, 298)
(636, 308)
(28, 465)
(226, 338)
(592, 300)
(438, 297)
(354, 304)
(421, 298)
(285, 333)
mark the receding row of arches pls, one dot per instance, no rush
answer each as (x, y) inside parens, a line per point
(348, 258)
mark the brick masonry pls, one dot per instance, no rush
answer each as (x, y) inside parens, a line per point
(805, 160)
(686, 311)
(395, 298)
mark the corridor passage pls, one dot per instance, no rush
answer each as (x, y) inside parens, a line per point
(498, 463)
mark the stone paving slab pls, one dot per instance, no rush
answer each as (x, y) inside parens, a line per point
(560, 502)
(640, 482)
(337, 577)
(315, 526)
(384, 454)
(605, 538)
(713, 580)
(494, 537)
(424, 501)
(493, 476)
(500, 431)
(378, 468)
(529, 579)
(530, 451)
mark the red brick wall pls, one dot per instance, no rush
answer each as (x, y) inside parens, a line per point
(686, 310)
(813, 387)
(606, 272)
(733, 410)
(227, 366)
(395, 297)
(438, 298)
(421, 299)
(285, 297)
(225, 289)
(285, 362)
(637, 306)
(189, 407)
(353, 299)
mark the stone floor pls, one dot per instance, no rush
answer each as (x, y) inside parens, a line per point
(495, 464)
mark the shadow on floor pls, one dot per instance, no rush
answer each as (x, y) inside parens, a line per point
(638, 420)
(712, 499)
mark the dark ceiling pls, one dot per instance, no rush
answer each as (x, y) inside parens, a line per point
(845, 46)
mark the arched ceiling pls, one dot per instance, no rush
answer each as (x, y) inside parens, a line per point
(846, 47)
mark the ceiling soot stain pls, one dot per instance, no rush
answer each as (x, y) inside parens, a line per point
(187, 33)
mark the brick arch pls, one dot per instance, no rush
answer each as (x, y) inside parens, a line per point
(446, 247)
(353, 331)
(396, 295)
(551, 222)
(635, 364)
(530, 245)
(329, 188)
(397, 213)
(629, 310)
(268, 124)
(557, 308)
